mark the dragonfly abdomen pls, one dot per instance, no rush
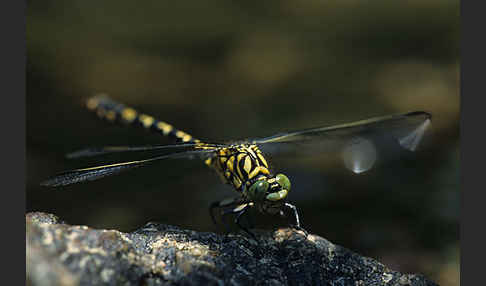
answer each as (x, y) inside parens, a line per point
(113, 111)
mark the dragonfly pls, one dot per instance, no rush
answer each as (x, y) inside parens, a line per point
(242, 164)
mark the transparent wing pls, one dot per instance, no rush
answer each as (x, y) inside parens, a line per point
(359, 144)
(94, 173)
(97, 151)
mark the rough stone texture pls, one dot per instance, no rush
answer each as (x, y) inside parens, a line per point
(157, 254)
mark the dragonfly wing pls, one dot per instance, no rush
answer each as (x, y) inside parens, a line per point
(94, 173)
(97, 151)
(359, 144)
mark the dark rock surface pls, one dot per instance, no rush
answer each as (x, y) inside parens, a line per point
(157, 254)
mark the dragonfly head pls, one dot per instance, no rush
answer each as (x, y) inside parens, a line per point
(270, 188)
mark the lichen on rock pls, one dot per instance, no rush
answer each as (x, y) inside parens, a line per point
(158, 254)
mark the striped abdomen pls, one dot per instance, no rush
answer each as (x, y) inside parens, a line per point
(114, 111)
(240, 164)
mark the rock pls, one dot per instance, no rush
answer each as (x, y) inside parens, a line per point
(158, 254)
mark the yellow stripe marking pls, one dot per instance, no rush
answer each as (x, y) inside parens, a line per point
(247, 166)
(257, 170)
(186, 138)
(263, 160)
(111, 115)
(239, 157)
(92, 103)
(229, 163)
(129, 114)
(166, 128)
(183, 136)
(236, 182)
(203, 146)
(146, 120)
(252, 153)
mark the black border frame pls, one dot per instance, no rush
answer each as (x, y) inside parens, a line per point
(472, 234)
(13, 23)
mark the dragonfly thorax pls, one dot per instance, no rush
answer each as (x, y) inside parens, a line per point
(239, 165)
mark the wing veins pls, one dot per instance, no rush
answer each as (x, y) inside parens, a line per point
(361, 125)
(97, 151)
(98, 172)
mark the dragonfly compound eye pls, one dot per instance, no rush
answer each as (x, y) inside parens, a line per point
(258, 190)
(284, 184)
(283, 181)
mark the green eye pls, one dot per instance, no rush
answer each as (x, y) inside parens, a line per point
(283, 181)
(259, 189)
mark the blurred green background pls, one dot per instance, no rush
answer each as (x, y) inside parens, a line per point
(224, 70)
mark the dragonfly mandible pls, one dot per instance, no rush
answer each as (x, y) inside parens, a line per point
(242, 164)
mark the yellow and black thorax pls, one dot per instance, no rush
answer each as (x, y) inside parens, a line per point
(239, 165)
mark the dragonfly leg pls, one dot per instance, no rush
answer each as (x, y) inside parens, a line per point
(237, 222)
(239, 211)
(249, 219)
(296, 216)
(222, 204)
(212, 206)
(231, 202)
(226, 212)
